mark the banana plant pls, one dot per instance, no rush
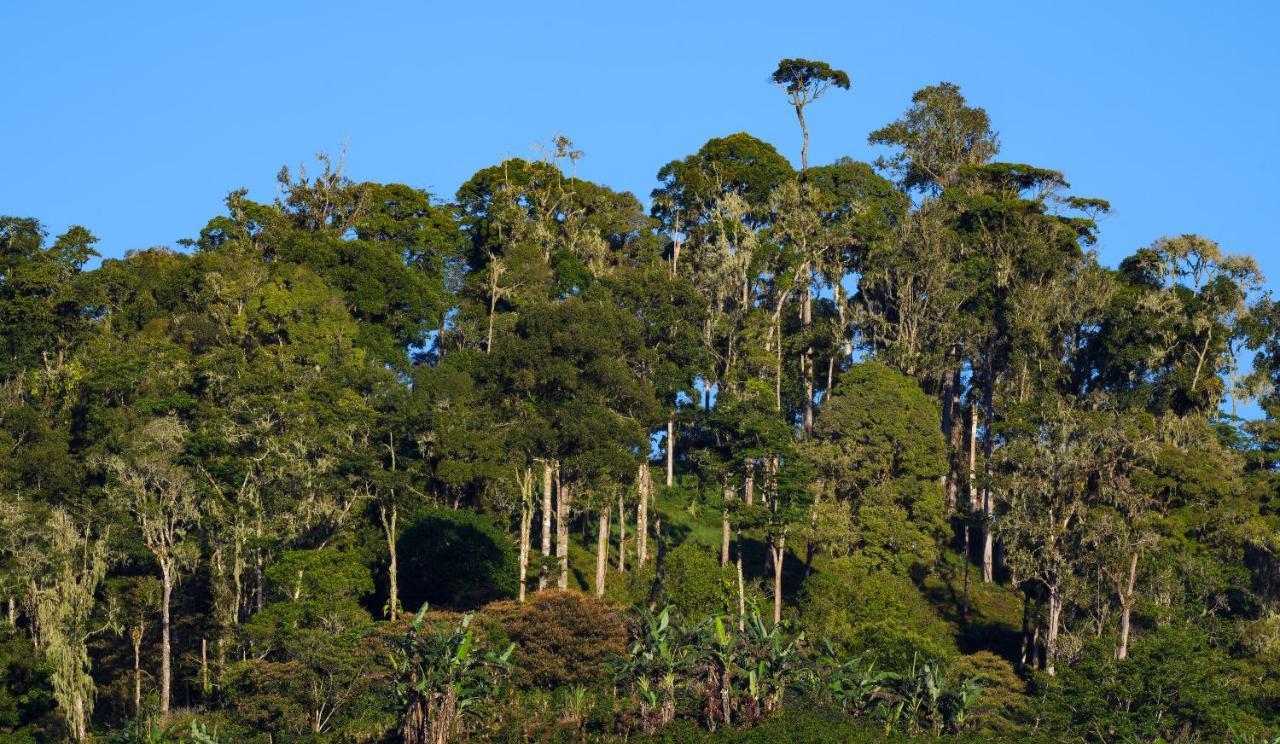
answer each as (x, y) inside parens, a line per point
(652, 665)
(774, 658)
(440, 678)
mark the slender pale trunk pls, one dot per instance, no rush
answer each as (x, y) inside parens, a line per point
(136, 637)
(602, 549)
(950, 407)
(671, 451)
(804, 148)
(1051, 637)
(724, 527)
(388, 518)
(988, 498)
(204, 665)
(622, 534)
(779, 553)
(82, 733)
(166, 672)
(493, 302)
(562, 532)
(777, 378)
(1024, 657)
(806, 318)
(742, 595)
(642, 515)
(973, 504)
(526, 525)
(1126, 606)
(546, 524)
(12, 613)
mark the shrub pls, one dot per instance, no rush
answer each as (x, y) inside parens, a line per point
(455, 558)
(863, 610)
(695, 583)
(562, 638)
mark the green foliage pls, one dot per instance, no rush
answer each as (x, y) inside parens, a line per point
(442, 677)
(862, 610)
(455, 558)
(694, 582)
(878, 452)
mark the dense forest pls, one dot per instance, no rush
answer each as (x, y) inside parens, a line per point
(849, 452)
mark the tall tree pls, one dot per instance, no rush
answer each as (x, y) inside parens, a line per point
(805, 81)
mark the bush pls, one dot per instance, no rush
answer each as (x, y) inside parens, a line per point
(696, 584)
(562, 638)
(455, 558)
(858, 609)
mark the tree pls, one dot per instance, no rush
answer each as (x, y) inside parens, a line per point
(805, 81)
(938, 135)
(877, 452)
(150, 485)
(66, 606)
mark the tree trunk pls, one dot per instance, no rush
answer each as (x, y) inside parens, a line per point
(622, 534)
(1126, 607)
(602, 549)
(136, 637)
(546, 524)
(642, 515)
(1024, 656)
(166, 672)
(804, 148)
(204, 666)
(1051, 637)
(388, 519)
(973, 504)
(562, 532)
(742, 594)
(806, 318)
(526, 524)
(779, 553)
(671, 452)
(724, 528)
(988, 498)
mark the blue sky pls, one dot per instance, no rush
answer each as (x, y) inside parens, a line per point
(135, 119)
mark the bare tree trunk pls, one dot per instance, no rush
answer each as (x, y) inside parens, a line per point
(166, 672)
(562, 532)
(622, 533)
(806, 318)
(526, 525)
(204, 666)
(136, 637)
(642, 515)
(988, 498)
(12, 612)
(749, 484)
(671, 451)
(804, 149)
(1024, 656)
(779, 553)
(388, 518)
(973, 504)
(602, 549)
(546, 524)
(724, 527)
(950, 407)
(1051, 638)
(1126, 606)
(742, 595)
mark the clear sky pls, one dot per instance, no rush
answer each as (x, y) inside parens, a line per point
(135, 119)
